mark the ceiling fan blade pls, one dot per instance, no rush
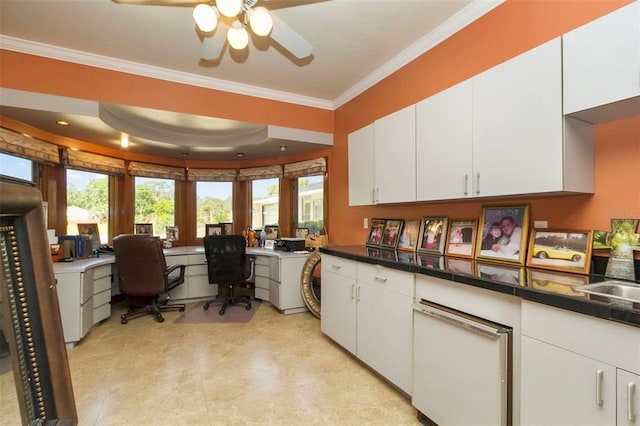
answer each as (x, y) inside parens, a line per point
(285, 36)
(162, 2)
(212, 45)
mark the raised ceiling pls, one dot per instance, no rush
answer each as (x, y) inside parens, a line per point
(356, 43)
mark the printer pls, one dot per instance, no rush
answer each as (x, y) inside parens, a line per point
(289, 244)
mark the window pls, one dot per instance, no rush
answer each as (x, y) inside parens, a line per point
(265, 202)
(16, 167)
(155, 203)
(310, 203)
(214, 204)
(88, 202)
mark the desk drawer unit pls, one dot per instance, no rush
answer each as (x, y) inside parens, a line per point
(101, 293)
(261, 277)
(198, 278)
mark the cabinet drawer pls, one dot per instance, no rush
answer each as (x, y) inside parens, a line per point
(399, 282)
(197, 259)
(338, 265)
(86, 286)
(177, 260)
(102, 271)
(261, 271)
(261, 293)
(262, 260)
(196, 270)
(101, 312)
(101, 298)
(102, 284)
(262, 282)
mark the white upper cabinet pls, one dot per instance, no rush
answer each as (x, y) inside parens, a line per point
(361, 166)
(601, 67)
(395, 156)
(382, 160)
(444, 136)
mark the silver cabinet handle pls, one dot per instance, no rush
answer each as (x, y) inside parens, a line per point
(631, 391)
(477, 183)
(358, 293)
(373, 195)
(377, 195)
(466, 185)
(353, 290)
(381, 279)
(338, 267)
(599, 376)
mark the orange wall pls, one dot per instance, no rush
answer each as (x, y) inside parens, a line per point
(512, 28)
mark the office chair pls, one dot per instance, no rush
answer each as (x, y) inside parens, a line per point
(227, 264)
(143, 276)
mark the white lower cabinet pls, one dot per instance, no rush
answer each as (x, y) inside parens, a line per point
(577, 369)
(367, 309)
(560, 387)
(197, 276)
(261, 277)
(285, 274)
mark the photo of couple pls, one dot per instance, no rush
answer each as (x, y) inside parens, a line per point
(504, 233)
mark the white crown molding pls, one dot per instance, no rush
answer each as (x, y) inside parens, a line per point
(90, 59)
(466, 16)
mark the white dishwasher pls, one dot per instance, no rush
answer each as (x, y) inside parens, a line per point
(462, 367)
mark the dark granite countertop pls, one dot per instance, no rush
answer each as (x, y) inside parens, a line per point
(538, 285)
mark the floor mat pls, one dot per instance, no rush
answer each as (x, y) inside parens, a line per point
(233, 314)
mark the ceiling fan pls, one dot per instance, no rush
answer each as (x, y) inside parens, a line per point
(225, 22)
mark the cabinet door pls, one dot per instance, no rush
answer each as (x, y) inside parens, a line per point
(338, 320)
(628, 398)
(395, 156)
(517, 124)
(562, 387)
(361, 166)
(601, 61)
(384, 332)
(443, 144)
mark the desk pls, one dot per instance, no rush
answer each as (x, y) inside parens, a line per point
(85, 286)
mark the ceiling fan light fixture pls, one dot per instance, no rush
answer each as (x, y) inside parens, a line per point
(206, 17)
(260, 21)
(229, 8)
(237, 36)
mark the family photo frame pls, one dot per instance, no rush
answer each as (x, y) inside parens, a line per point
(503, 232)
(409, 236)
(375, 232)
(433, 234)
(391, 233)
(560, 250)
(301, 232)
(144, 228)
(213, 229)
(271, 232)
(461, 238)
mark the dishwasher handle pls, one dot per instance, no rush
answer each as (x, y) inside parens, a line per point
(459, 319)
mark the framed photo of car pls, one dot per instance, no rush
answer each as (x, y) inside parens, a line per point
(560, 250)
(503, 233)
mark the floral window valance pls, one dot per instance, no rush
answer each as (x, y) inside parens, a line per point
(17, 144)
(93, 162)
(156, 171)
(212, 175)
(254, 173)
(317, 166)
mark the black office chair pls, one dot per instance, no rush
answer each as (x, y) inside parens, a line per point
(228, 265)
(143, 276)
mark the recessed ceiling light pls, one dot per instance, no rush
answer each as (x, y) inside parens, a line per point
(240, 154)
(124, 140)
(62, 123)
(283, 148)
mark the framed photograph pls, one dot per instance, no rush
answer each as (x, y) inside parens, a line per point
(560, 250)
(271, 232)
(375, 232)
(301, 232)
(91, 231)
(144, 228)
(556, 282)
(172, 233)
(433, 234)
(502, 273)
(227, 228)
(409, 236)
(213, 229)
(391, 233)
(503, 237)
(461, 239)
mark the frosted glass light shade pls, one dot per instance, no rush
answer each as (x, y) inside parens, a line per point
(229, 8)
(260, 21)
(237, 36)
(206, 17)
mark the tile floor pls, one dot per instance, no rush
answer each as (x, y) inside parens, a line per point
(274, 370)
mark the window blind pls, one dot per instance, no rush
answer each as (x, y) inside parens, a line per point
(317, 166)
(93, 162)
(15, 143)
(156, 171)
(212, 175)
(254, 173)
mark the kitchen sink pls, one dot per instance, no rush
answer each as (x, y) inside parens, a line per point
(617, 290)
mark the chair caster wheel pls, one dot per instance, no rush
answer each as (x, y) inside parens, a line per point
(206, 306)
(248, 308)
(221, 311)
(159, 318)
(123, 321)
(182, 309)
